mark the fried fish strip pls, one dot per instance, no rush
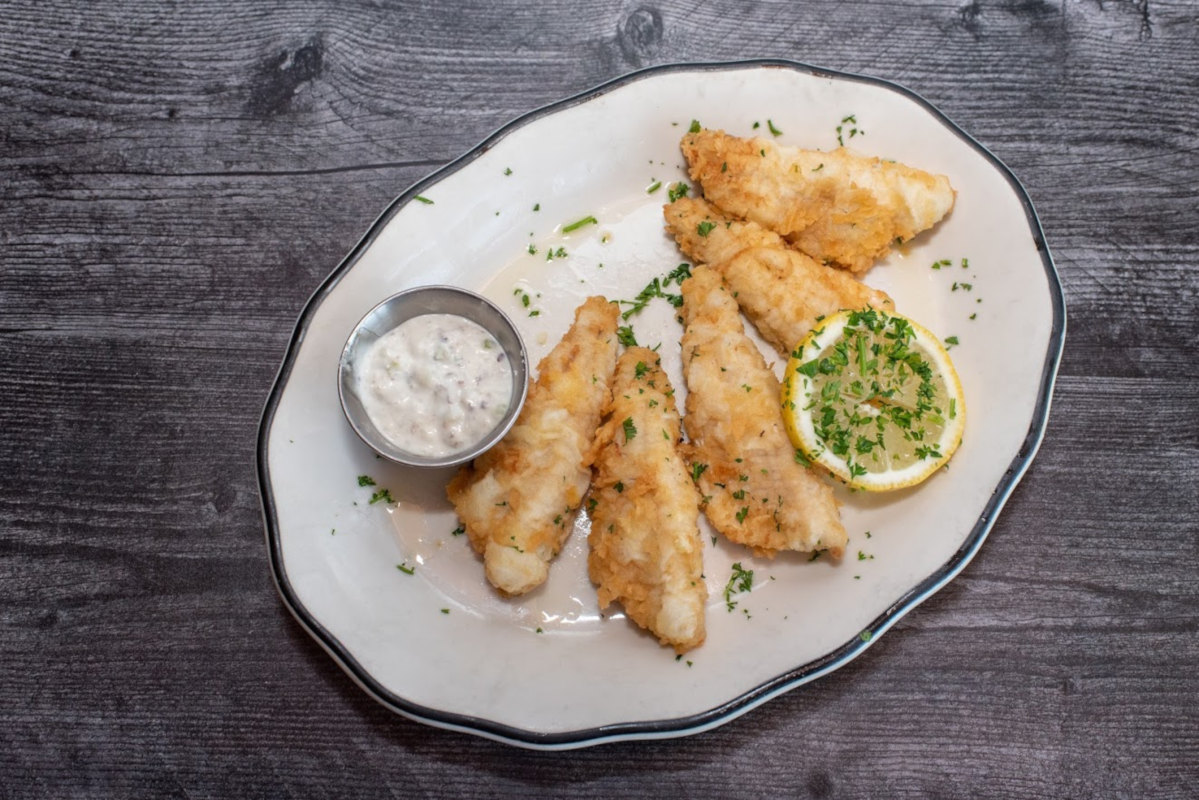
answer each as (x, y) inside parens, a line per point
(646, 549)
(781, 290)
(755, 493)
(838, 207)
(518, 501)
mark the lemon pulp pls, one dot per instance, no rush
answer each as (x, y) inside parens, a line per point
(874, 398)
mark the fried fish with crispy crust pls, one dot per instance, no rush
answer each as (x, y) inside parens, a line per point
(716, 243)
(755, 492)
(518, 501)
(646, 549)
(839, 207)
(781, 290)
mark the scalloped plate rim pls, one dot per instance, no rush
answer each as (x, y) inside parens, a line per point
(746, 701)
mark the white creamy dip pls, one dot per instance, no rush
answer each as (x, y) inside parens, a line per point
(435, 385)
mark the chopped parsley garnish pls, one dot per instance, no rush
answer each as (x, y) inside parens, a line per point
(630, 430)
(624, 335)
(574, 226)
(423, 199)
(773, 130)
(458, 531)
(852, 123)
(705, 227)
(407, 570)
(654, 289)
(677, 190)
(695, 127)
(742, 580)
(653, 187)
(677, 275)
(923, 452)
(366, 480)
(697, 469)
(384, 495)
(507, 170)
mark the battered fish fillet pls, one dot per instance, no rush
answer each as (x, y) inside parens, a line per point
(782, 291)
(838, 207)
(755, 493)
(646, 549)
(518, 501)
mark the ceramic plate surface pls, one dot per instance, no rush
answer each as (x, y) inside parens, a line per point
(432, 640)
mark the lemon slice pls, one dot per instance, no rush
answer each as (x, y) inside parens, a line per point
(873, 397)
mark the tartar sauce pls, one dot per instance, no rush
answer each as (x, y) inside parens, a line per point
(435, 385)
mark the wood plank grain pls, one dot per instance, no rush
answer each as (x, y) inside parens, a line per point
(178, 178)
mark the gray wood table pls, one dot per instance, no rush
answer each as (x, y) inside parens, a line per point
(177, 179)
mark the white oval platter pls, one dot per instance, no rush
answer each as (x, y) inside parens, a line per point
(398, 599)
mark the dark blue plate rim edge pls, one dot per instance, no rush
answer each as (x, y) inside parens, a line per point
(696, 723)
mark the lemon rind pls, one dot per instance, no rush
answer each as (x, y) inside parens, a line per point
(797, 388)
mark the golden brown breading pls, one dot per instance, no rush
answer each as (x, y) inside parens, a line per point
(838, 207)
(518, 501)
(755, 493)
(646, 549)
(719, 242)
(782, 291)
